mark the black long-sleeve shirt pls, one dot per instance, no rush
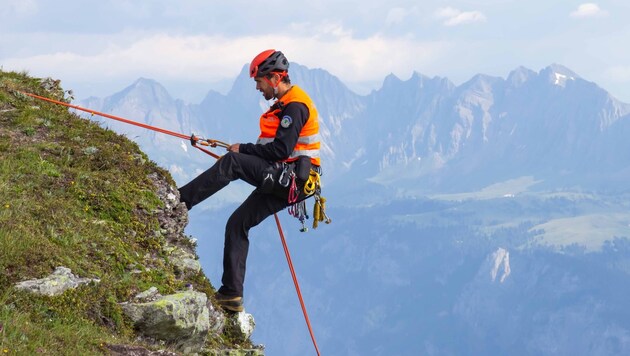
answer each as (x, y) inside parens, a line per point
(286, 137)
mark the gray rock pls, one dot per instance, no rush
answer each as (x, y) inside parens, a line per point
(180, 320)
(185, 261)
(50, 84)
(148, 295)
(240, 325)
(90, 150)
(234, 352)
(58, 282)
(173, 217)
(133, 350)
(217, 320)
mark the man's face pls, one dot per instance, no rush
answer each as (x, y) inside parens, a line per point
(263, 86)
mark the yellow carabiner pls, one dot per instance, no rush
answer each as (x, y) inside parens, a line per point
(311, 184)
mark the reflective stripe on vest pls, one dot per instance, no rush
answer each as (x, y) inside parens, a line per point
(308, 143)
(311, 153)
(307, 140)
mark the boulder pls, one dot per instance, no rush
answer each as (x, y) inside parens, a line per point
(58, 282)
(181, 319)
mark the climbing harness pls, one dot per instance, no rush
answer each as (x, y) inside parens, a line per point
(195, 142)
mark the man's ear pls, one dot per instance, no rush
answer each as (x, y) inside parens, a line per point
(276, 78)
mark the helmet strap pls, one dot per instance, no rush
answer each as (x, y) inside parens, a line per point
(281, 76)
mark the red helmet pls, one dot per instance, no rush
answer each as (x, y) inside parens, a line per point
(268, 61)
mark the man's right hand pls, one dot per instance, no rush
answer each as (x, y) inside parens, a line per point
(234, 147)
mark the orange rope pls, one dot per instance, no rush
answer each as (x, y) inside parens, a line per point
(295, 281)
(212, 143)
(117, 118)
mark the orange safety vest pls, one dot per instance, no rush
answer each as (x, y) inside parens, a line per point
(308, 143)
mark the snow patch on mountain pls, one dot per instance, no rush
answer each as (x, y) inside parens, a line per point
(561, 79)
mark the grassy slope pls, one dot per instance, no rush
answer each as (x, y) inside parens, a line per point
(77, 195)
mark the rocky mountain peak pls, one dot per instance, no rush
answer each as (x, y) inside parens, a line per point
(559, 75)
(519, 76)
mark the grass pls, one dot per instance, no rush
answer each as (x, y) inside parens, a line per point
(590, 231)
(76, 195)
(506, 189)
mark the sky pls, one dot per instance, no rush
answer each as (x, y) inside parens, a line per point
(97, 48)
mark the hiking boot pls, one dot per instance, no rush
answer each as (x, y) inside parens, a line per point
(234, 304)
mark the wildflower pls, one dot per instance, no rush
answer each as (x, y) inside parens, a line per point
(7, 206)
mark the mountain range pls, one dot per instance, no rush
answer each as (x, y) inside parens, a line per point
(428, 132)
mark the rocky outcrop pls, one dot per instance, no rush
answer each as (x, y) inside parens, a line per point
(239, 352)
(184, 320)
(130, 350)
(185, 261)
(173, 217)
(501, 260)
(181, 320)
(240, 326)
(58, 282)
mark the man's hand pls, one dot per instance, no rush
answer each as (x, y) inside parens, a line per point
(234, 147)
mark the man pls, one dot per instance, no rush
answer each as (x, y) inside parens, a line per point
(287, 147)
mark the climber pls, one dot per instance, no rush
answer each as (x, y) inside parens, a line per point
(278, 165)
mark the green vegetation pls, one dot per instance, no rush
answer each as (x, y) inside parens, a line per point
(590, 231)
(76, 195)
(555, 220)
(506, 189)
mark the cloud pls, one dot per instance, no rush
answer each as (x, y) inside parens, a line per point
(203, 58)
(395, 16)
(447, 12)
(455, 17)
(588, 10)
(18, 7)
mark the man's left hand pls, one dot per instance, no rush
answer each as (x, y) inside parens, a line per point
(234, 147)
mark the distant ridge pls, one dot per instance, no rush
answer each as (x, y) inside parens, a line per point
(551, 124)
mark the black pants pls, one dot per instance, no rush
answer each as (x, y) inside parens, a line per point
(256, 208)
